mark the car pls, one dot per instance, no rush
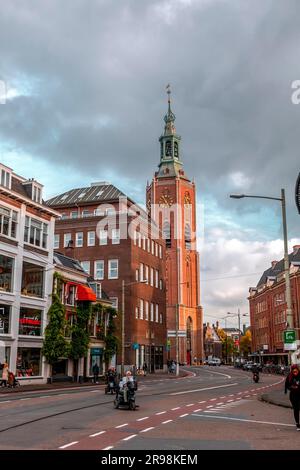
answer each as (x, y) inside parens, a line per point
(214, 362)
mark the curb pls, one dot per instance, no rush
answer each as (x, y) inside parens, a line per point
(266, 398)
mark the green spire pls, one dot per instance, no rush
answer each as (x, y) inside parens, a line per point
(170, 163)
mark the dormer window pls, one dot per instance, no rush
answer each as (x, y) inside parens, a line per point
(6, 177)
(33, 190)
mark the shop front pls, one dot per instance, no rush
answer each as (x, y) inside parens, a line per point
(96, 357)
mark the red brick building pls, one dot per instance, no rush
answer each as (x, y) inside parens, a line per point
(116, 243)
(268, 309)
(171, 196)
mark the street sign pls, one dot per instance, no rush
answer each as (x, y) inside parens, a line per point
(172, 333)
(289, 336)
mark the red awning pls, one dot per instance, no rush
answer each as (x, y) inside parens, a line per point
(85, 293)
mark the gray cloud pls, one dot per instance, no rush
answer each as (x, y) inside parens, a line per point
(97, 71)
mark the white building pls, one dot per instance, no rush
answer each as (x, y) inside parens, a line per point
(26, 273)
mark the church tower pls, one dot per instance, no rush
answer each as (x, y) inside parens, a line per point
(171, 202)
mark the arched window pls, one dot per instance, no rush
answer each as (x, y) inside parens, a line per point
(168, 148)
(167, 233)
(175, 149)
(187, 236)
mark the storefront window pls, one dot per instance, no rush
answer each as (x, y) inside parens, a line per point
(6, 273)
(4, 319)
(30, 322)
(4, 356)
(32, 280)
(96, 357)
(28, 362)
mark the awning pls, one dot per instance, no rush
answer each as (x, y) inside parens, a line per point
(85, 293)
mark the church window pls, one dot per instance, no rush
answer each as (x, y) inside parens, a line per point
(167, 233)
(187, 237)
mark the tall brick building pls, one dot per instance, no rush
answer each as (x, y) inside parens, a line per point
(268, 309)
(171, 197)
(116, 243)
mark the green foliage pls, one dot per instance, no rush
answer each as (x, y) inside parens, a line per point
(111, 341)
(55, 344)
(246, 342)
(80, 335)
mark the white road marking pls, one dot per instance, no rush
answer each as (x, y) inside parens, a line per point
(196, 411)
(97, 434)
(142, 419)
(247, 396)
(147, 429)
(182, 416)
(168, 421)
(121, 425)
(210, 406)
(212, 399)
(177, 408)
(250, 421)
(203, 401)
(219, 373)
(210, 411)
(220, 403)
(45, 396)
(161, 413)
(6, 401)
(23, 399)
(191, 404)
(231, 400)
(203, 389)
(68, 445)
(95, 391)
(129, 437)
(108, 448)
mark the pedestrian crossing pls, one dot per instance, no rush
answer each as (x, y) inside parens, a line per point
(220, 408)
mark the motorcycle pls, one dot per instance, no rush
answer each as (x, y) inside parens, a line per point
(126, 397)
(255, 377)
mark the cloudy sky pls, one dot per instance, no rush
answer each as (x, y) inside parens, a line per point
(85, 97)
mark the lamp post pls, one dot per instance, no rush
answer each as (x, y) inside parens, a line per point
(289, 312)
(239, 326)
(123, 319)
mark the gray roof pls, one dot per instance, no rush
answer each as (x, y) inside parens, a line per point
(278, 268)
(97, 192)
(62, 260)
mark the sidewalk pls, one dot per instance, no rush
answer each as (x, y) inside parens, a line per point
(76, 385)
(277, 397)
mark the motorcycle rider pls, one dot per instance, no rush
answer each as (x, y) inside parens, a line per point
(255, 372)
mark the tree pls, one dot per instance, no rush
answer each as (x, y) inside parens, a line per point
(80, 335)
(245, 344)
(228, 347)
(55, 344)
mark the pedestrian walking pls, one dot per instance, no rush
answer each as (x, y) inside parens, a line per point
(292, 383)
(145, 368)
(96, 371)
(4, 375)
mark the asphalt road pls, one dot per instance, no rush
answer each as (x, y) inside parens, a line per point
(213, 408)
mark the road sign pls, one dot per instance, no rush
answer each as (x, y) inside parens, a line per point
(172, 333)
(289, 336)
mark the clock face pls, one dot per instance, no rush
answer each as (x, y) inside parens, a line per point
(165, 200)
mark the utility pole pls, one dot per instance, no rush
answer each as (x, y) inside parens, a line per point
(177, 341)
(123, 329)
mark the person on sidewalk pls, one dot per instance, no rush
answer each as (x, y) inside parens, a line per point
(4, 375)
(96, 371)
(292, 383)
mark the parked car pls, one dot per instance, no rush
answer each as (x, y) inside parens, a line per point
(215, 361)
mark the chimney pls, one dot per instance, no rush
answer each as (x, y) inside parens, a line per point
(217, 324)
(295, 249)
(273, 264)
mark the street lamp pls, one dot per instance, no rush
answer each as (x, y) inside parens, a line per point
(123, 319)
(289, 313)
